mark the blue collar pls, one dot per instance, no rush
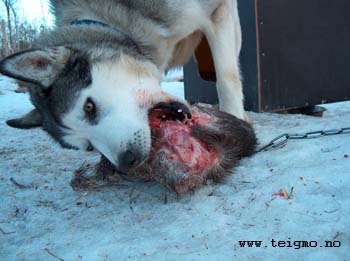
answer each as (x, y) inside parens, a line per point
(101, 24)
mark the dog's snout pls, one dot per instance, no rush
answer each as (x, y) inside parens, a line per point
(176, 110)
(129, 159)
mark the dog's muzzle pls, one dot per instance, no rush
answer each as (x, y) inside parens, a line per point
(165, 111)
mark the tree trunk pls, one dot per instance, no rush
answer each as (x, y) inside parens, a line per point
(5, 45)
(14, 43)
(7, 6)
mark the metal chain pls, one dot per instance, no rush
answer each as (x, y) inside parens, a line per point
(282, 139)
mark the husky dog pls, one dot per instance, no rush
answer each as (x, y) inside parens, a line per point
(95, 78)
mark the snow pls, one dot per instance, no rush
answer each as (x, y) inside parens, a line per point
(174, 75)
(132, 220)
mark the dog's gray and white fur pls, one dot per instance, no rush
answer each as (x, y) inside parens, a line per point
(94, 78)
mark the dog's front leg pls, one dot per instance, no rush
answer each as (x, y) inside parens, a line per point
(224, 37)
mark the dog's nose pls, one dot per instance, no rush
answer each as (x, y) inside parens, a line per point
(128, 160)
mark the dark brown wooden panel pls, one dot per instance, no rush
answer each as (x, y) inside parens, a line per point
(304, 51)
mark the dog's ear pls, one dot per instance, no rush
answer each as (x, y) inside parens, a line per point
(39, 66)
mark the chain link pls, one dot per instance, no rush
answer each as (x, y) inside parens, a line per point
(283, 139)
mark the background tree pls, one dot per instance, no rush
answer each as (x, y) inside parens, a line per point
(18, 33)
(5, 46)
(14, 25)
(10, 7)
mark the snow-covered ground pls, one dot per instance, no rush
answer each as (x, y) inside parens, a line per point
(47, 220)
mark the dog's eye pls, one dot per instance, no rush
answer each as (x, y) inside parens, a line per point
(91, 111)
(89, 106)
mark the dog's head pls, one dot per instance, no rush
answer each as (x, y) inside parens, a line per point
(94, 103)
